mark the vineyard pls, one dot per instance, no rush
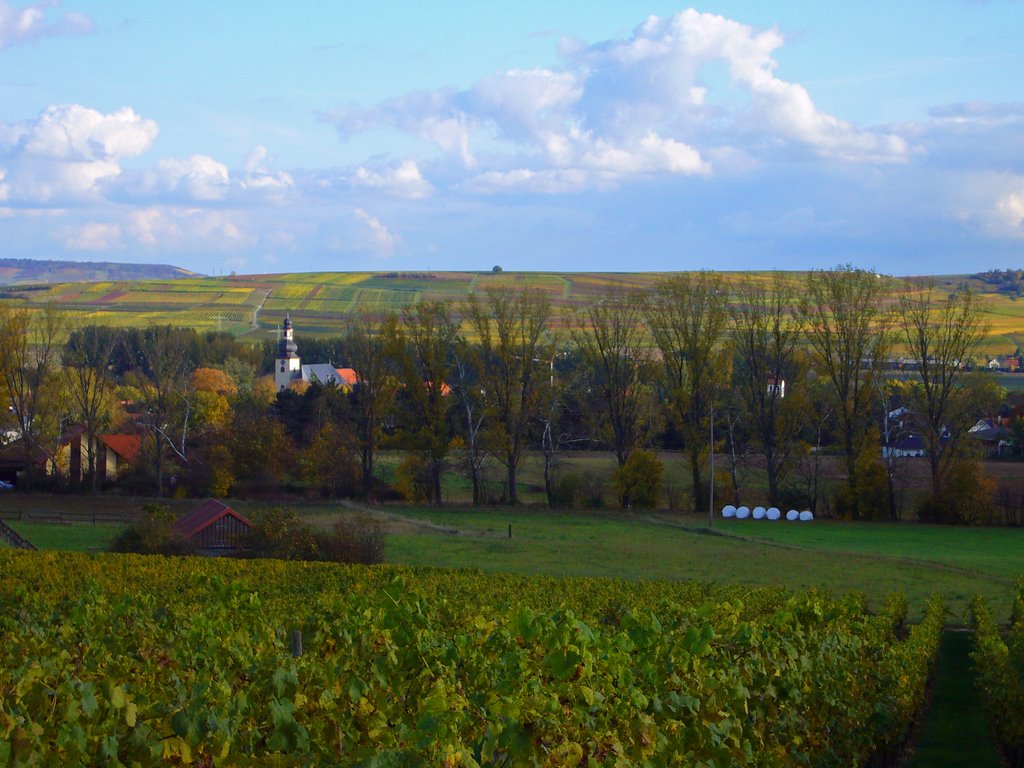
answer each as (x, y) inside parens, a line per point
(325, 302)
(122, 660)
(999, 660)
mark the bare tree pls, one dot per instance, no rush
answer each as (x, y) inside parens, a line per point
(366, 343)
(161, 360)
(424, 344)
(515, 355)
(941, 333)
(86, 358)
(764, 336)
(609, 334)
(848, 327)
(687, 315)
(472, 399)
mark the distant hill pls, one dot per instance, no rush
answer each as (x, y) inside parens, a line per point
(22, 271)
(324, 303)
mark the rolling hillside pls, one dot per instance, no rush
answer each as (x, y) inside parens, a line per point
(323, 302)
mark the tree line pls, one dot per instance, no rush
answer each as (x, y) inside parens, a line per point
(791, 376)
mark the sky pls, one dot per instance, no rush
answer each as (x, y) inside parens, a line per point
(597, 135)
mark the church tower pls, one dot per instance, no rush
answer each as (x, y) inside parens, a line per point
(287, 366)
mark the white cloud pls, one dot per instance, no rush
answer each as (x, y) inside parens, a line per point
(70, 151)
(199, 178)
(636, 107)
(174, 228)
(989, 201)
(403, 180)
(95, 236)
(381, 239)
(28, 23)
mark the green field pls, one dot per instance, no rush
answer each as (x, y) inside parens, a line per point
(875, 559)
(323, 303)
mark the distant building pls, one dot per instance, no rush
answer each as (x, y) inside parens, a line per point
(288, 367)
(777, 387)
(214, 527)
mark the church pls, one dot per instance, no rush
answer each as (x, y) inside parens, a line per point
(288, 367)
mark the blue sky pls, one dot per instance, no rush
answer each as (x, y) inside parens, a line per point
(599, 135)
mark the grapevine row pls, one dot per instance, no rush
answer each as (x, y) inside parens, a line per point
(121, 660)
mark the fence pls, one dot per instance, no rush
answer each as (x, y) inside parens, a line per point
(69, 517)
(14, 538)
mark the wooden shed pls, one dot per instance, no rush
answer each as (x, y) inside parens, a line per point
(213, 525)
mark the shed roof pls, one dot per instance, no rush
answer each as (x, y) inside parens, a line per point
(206, 514)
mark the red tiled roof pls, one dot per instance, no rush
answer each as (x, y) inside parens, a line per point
(348, 375)
(206, 514)
(127, 447)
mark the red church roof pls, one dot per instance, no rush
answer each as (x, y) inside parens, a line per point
(348, 375)
(206, 514)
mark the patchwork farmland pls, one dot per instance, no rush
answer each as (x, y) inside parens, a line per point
(324, 302)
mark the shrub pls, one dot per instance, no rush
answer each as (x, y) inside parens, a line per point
(279, 533)
(413, 479)
(966, 496)
(565, 490)
(591, 492)
(152, 534)
(355, 539)
(638, 481)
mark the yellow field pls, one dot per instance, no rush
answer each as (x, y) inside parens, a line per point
(327, 300)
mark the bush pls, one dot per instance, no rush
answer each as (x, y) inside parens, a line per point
(966, 497)
(591, 491)
(279, 533)
(355, 539)
(565, 490)
(413, 479)
(638, 481)
(153, 534)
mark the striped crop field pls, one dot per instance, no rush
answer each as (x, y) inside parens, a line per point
(326, 301)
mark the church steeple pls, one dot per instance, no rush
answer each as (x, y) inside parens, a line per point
(287, 347)
(287, 367)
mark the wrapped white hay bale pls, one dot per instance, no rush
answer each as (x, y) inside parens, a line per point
(758, 513)
(773, 513)
(806, 516)
(742, 513)
(728, 511)
(792, 515)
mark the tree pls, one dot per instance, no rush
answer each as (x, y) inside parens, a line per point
(687, 316)
(515, 358)
(423, 344)
(471, 397)
(940, 334)
(161, 361)
(764, 338)
(29, 352)
(86, 358)
(609, 334)
(848, 327)
(366, 343)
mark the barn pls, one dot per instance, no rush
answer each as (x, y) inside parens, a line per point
(214, 527)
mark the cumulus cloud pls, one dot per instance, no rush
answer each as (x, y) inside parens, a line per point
(70, 151)
(32, 22)
(402, 180)
(990, 202)
(259, 178)
(381, 240)
(636, 107)
(174, 228)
